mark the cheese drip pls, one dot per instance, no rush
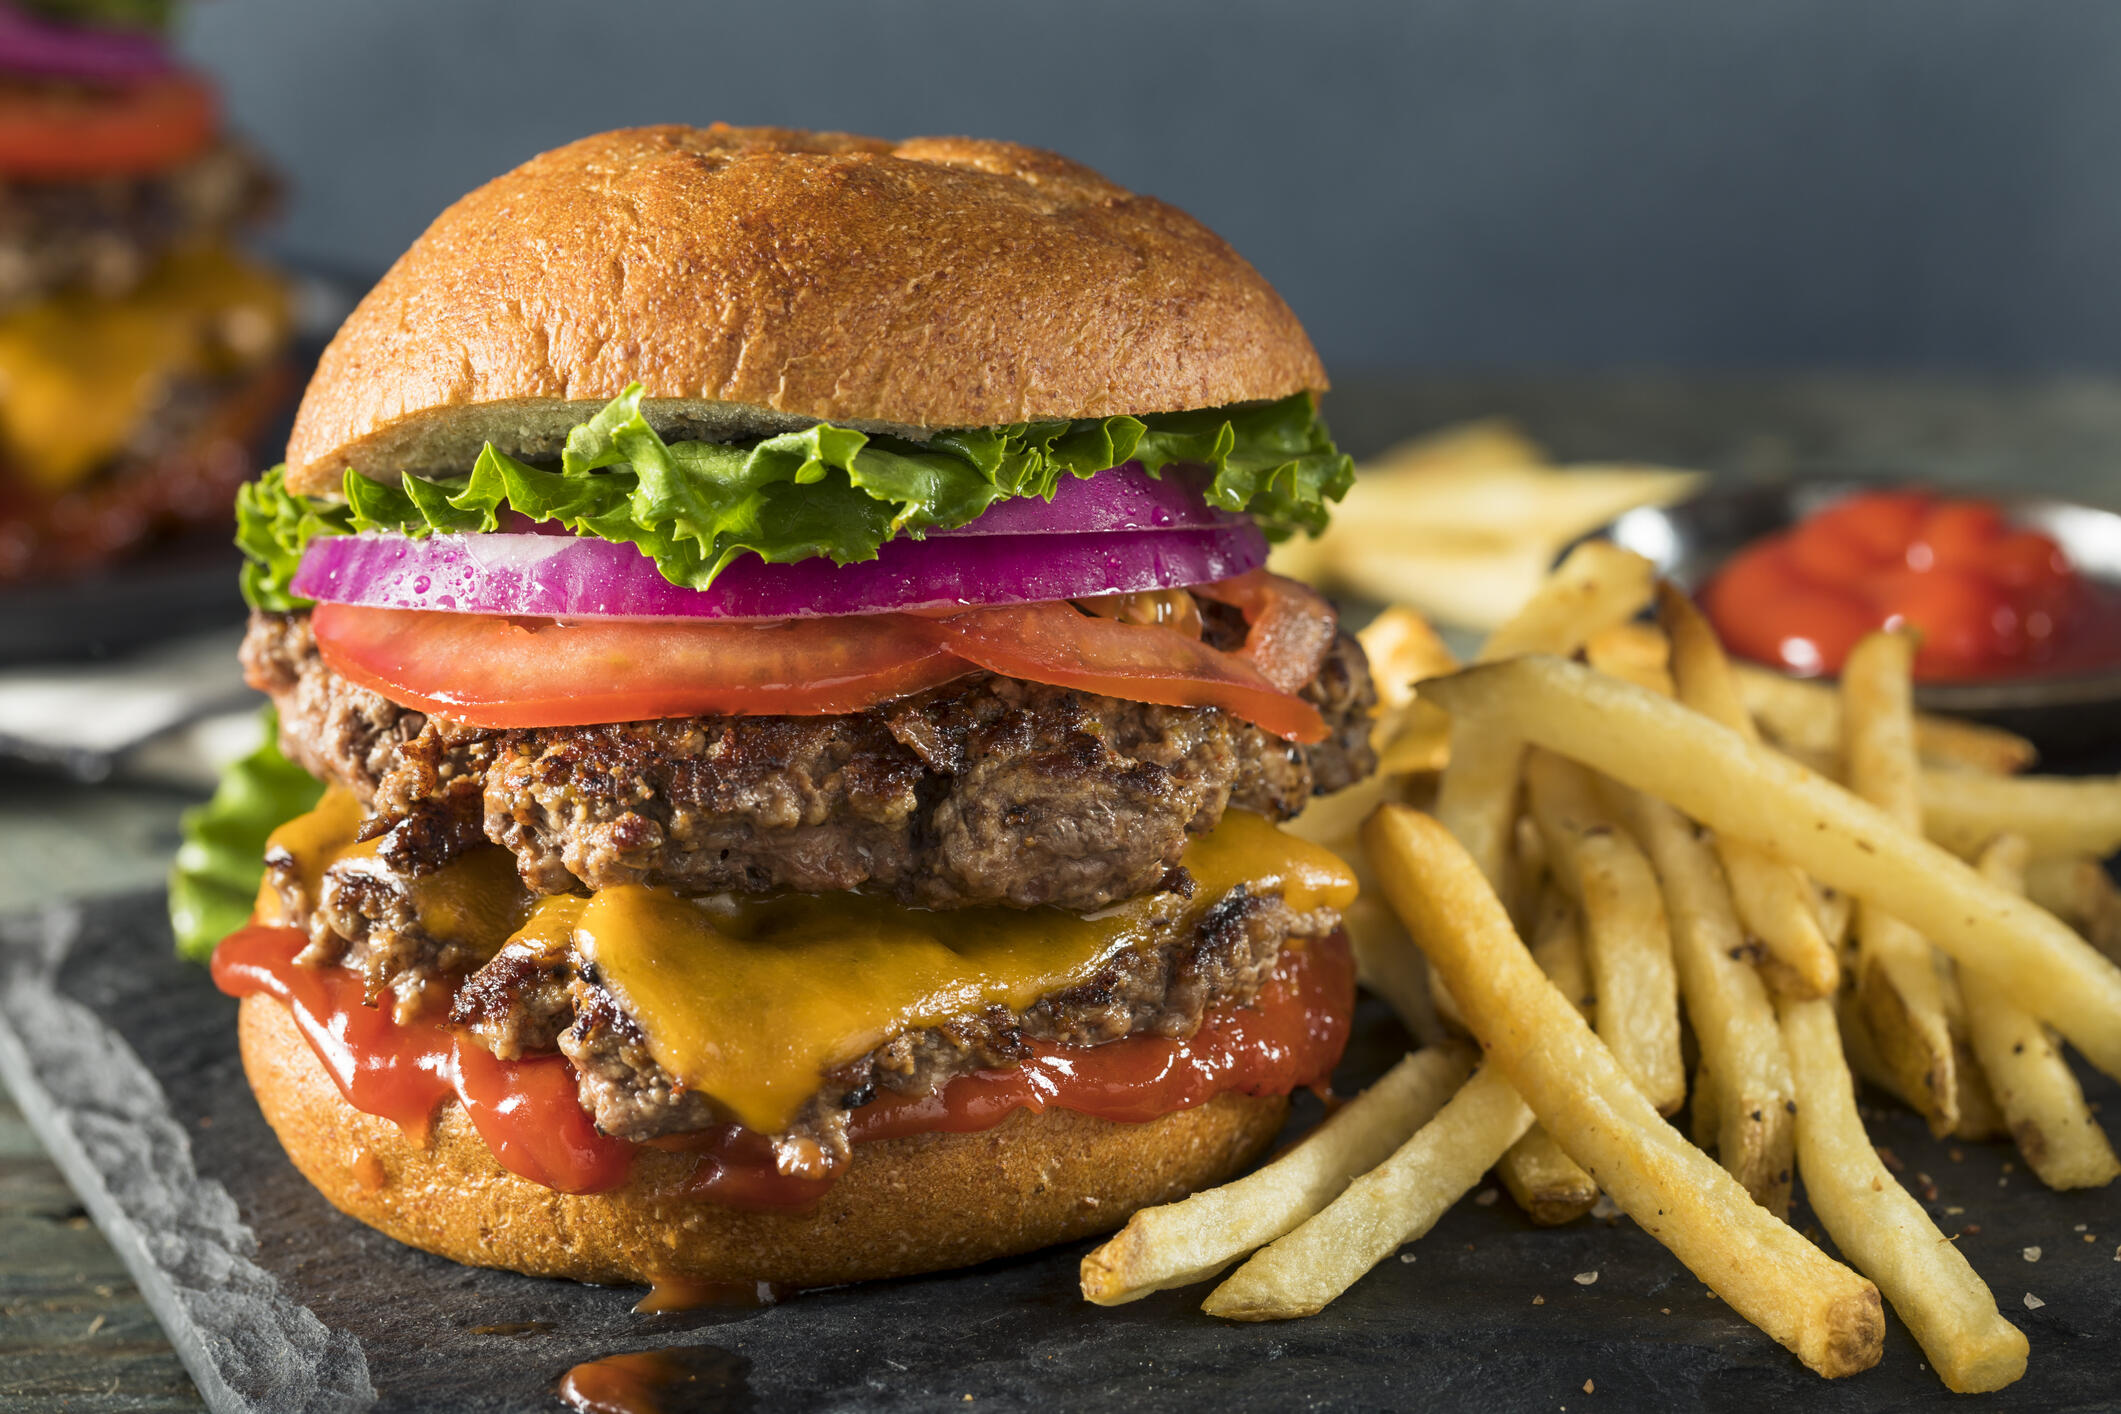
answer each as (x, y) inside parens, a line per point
(751, 1000)
(78, 372)
(474, 903)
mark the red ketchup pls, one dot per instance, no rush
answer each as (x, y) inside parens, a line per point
(529, 1116)
(525, 1110)
(1989, 599)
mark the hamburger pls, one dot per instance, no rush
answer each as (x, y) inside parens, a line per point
(140, 353)
(780, 622)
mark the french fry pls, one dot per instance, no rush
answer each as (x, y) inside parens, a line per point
(1466, 522)
(1387, 963)
(2079, 891)
(1882, 1230)
(2040, 1099)
(1460, 581)
(1637, 652)
(1420, 740)
(1498, 504)
(1742, 1052)
(1627, 940)
(1806, 717)
(1476, 796)
(1180, 1243)
(1557, 946)
(1395, 971)
(1963, 811)
(1896, 976)
(1979, 1119)
(1548, 1185)
(1597, 586)
(1741, 789)
(1827, 1315)
(1837, 915)
(1773, 898)
(1532, 860)
(1394, 1203)
(1706, 1115)
(1403, 648)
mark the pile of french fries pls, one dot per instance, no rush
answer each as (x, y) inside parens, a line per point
(1463, 523)
(1601, 833)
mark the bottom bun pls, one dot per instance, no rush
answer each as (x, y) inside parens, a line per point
(917, 1204)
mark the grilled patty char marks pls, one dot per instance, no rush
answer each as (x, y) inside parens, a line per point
(988, 790)
(527, 999)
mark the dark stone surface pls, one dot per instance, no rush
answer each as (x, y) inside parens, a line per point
(277, 1302)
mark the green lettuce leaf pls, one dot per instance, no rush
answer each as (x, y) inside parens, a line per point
(111, 14)
(696, 507)
(218, 868)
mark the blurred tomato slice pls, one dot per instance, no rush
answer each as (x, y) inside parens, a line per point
(58, 132)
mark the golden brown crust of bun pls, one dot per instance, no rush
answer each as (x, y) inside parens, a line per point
(760, 278)
(918, 1204)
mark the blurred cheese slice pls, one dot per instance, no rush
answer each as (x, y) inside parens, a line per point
(78, 373)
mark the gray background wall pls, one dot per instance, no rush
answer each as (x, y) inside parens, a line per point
(1430, 182)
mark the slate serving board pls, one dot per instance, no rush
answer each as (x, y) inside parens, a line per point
(125, 1062)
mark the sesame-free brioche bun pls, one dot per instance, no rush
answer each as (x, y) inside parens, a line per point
(757, 279)
(918, 1204)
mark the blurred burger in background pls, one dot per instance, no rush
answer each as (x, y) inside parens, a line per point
(139, 352)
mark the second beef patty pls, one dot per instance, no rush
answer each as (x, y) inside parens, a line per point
(989, 790)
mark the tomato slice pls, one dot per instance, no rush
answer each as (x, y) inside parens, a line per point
(57, 132)
(491, 671)
(1059, 644)
(1290, 626)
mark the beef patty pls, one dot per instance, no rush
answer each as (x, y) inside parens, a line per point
(105, 235)
(988, 790)
(1197, 953)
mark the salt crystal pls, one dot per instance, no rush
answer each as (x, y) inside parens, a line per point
(1586, 1278)
(2032, 1254)
(2032, 1302)
(1407, 1257)
(1486, 1197)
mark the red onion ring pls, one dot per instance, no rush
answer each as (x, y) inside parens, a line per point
(554, 576)
(30, 45)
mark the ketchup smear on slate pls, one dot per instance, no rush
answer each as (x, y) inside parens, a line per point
(1990, 599)
(528, 1114)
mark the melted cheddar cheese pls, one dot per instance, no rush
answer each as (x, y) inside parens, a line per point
(750, 1001)
(78, 372)
(474, 903)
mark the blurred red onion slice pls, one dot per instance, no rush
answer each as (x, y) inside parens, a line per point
(48, 49)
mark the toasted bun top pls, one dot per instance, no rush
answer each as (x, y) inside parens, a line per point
(756, 279)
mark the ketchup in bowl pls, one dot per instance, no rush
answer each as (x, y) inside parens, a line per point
(1990, 599)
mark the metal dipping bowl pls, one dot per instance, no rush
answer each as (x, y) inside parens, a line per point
(2063, 714)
